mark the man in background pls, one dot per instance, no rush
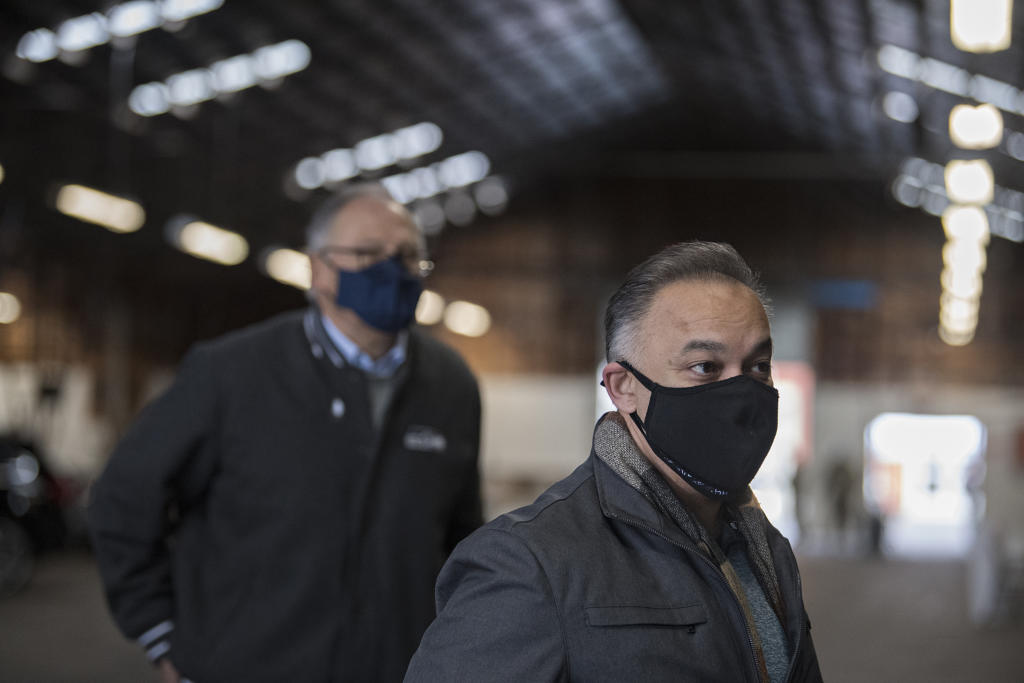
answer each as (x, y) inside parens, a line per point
(653, 560)
(282, 511)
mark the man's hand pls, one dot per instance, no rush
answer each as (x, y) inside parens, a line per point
(168, 674)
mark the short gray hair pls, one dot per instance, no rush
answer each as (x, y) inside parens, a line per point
(320, 222)
(682, 261)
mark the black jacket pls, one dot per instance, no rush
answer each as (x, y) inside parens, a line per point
(252, 506)
(593, 583)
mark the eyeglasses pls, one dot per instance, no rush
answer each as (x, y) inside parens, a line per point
(358, 258)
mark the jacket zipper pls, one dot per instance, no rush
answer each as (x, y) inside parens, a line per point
(717, 571)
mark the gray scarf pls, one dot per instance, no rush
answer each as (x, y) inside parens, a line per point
(614, 445)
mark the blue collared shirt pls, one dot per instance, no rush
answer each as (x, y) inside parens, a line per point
(384, 367)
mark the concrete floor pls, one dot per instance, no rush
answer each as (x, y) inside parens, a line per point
(58, 630)
(872, 621)
(888, 620)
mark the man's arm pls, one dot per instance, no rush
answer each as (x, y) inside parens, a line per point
(128, 510)
(497, 619)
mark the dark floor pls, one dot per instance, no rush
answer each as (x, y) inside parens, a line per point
(58, 630)
(888, 620)
(873, 621)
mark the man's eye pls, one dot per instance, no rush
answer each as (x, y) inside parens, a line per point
(705, 368)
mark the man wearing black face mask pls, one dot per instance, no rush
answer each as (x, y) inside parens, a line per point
(652, 561)
(319, 467)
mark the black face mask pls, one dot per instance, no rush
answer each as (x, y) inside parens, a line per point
(715, 436)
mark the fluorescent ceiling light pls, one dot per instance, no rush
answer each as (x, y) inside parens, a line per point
(126, 19)
(459, 209)
(224, 76)
(38, 46)
(190, 87)
(491, 196)
(289, 267)
(921, 184)
(10, 308)
(430, 308)
(309, 173)
(375, 153)
(954, 338)
(132, 18)
(900, 106)
(980, 25)
(959, 307)
(978, 127)
(962, 284)
(430, 216)
(233, 74)
(206, 241)
(338, 165)
(116, 214)
(966, 223)
(414, 141)
(956, 308)
(950, 78)
(281, 59)
(465, 318)
(963, 255)
(150, 99)
(180, 10)
(464, 169)
(953, 323)
(405, 143)
(969, 182)
(425, 182)
(81, 33)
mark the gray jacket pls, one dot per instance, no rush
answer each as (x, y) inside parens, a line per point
(593, 583)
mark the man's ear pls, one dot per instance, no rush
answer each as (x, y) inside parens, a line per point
(322, 277)
(621, 387)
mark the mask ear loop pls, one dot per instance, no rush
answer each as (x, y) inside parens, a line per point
(641, 377)
(649, 385)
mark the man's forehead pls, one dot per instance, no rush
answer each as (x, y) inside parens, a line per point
(694, 315)
(372, 217)
(761, 343)
(706, 299)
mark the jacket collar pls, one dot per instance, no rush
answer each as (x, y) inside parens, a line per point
(629, 488)
(621, 493)
(622, 473)
(322, 344)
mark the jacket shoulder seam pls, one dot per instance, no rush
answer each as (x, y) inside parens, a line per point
(549, 504)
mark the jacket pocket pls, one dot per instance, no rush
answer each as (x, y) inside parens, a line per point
(637, 615)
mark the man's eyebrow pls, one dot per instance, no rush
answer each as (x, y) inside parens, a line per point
(764, 346)
(703, 345)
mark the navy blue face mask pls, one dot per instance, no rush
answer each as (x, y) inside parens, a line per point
(716, 435)
(383, 295)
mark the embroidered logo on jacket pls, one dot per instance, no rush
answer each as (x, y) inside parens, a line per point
(427, 439)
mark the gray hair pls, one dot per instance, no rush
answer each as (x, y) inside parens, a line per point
(682, 261)
(320, 222)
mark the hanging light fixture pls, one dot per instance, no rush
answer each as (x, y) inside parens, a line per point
(981, 25)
